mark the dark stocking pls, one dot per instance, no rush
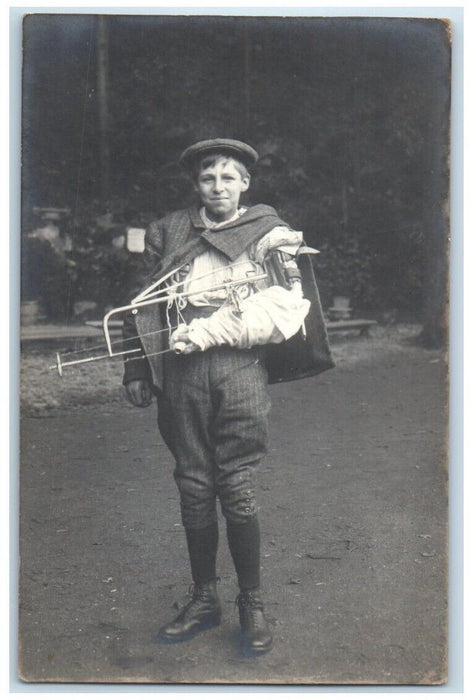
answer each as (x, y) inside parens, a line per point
(202, 545)
(244, 543)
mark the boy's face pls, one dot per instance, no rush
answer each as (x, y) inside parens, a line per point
(220, 187)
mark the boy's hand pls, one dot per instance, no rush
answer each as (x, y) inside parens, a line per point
(180, 341)
(138, 392)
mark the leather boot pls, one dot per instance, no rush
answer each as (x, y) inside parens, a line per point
(202, 612)
(256, 636)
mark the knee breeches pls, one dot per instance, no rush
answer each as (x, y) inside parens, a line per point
(213, 416)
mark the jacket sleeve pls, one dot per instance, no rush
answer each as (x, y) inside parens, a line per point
(138, 368)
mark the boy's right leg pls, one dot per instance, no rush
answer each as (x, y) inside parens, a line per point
(202, 612)
(202, 546)
(187, 404)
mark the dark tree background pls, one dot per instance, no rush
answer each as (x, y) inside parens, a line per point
(350, 117)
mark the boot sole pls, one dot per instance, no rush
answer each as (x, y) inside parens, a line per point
(201, 627)
(248, 650)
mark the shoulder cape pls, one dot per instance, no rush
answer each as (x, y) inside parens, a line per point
(230, 240)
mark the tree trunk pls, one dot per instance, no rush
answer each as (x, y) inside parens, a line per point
(102, 93)
(436, 213)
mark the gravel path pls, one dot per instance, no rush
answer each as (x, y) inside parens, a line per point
(353, 513)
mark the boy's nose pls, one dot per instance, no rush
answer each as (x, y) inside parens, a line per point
(218, 184)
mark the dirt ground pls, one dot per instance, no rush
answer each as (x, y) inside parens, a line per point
(353, 512)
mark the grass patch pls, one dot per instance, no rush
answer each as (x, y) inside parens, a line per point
(42, 390)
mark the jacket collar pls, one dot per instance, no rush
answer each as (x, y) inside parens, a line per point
(236, 236)
(194, 215)
(245, 230)
(251, 214)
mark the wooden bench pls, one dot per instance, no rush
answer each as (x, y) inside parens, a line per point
(353, 324)
(51, 332)
(93, 329)
(361, 324)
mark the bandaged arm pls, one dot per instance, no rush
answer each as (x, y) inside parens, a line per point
(269, 316)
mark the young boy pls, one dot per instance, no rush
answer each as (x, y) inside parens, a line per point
(212, 390)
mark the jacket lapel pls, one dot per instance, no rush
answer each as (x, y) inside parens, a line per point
(236, 236)
(230, 240)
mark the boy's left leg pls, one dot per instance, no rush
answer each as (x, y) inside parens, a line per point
(240, 433)
(244, 544)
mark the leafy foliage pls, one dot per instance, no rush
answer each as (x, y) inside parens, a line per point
(340, 110)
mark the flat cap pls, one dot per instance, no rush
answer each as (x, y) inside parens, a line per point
(240, 150)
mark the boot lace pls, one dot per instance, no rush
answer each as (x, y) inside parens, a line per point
(199, 591)
(250, 606)
(249, 601)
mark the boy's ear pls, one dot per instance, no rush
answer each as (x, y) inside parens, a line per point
(246, 183)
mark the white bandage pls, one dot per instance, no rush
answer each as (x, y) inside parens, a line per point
(269, 316)
(279, 237)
